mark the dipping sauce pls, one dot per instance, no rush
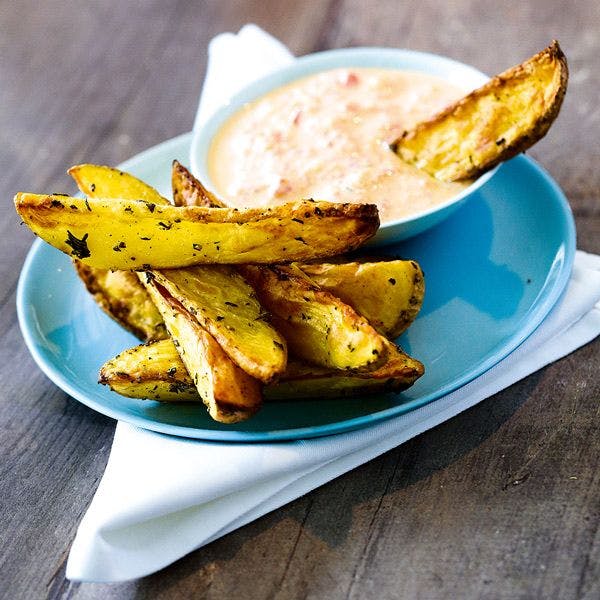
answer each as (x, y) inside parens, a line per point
(327, 137)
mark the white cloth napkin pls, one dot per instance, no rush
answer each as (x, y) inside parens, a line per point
(234, 61)
(162, 497)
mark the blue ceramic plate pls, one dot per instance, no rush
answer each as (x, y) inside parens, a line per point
(459, 74)
(493, 270)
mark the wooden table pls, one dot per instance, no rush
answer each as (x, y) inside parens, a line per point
(500, 502)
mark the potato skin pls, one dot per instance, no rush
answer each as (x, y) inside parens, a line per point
(396, 373)
(492, 124)
(152, 371)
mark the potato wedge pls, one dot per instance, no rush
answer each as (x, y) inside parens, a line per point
(99, 181)
(229, 393)
(155, 371)
(188, 191)
(152, 371)
(227, 307)
(121, 295)
(137, 235)
(317, 326)
(388, 293)
(506, 116)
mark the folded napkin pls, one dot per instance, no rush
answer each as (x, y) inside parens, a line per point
(234, 61)
(162, 497)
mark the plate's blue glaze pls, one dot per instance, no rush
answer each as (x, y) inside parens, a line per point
(493, 270)
(459, 74)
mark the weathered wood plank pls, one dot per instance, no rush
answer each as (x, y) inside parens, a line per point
(500, 502)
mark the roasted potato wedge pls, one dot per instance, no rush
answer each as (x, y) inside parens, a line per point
(121, 295)
(155, 371)
(188, 191)
(388, 293)
(229, 393)
(227, 307)
(491, 124)
(152, 371)
(317, 325)
(99, 181)
(138, 235)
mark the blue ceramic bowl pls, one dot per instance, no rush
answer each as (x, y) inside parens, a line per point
(459, 74)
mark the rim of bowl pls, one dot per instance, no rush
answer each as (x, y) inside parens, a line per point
(446, 68)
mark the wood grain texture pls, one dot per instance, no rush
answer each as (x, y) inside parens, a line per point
(501, 502)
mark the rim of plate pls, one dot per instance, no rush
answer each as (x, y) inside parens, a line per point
(389, 58)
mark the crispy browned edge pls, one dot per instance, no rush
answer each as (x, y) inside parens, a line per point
(554, 52)
(179, 378)
(189, 191)
(180, 383)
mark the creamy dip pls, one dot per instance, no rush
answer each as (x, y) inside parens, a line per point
(327, 137)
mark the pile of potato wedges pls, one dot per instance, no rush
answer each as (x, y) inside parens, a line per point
(233, 305)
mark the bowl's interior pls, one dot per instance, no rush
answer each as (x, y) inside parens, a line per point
(452, 71)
